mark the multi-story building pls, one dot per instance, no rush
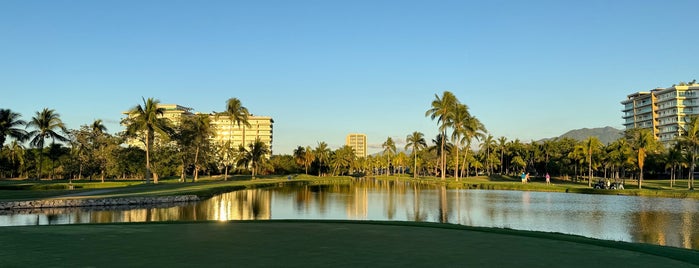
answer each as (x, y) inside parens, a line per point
(223, 130)
(358, 143)
(663, 110)
(173, 112)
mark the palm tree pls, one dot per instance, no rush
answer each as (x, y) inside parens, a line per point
(343, 158)
(691, 139)
(322, 154)
(308, 158)
(147, 120)
(502, 141)
(643, 143)
(389, 149)
(9, 123)
(254, 155)
(466, 127)
(488, 143)
(46, 123)
(299, 155)
(201, 131)
(416, 141)
(15, 154)
(447, 148)
(443, 109)
(238, 114)
(98, 130)
(591, 145)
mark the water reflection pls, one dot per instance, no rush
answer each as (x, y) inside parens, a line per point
(660, 221)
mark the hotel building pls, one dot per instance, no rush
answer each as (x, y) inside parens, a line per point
(664, 111)
(223, 130)
(358, 142)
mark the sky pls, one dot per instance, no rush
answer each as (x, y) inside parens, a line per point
(322, 69)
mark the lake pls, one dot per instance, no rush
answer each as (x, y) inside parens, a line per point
(662, 221)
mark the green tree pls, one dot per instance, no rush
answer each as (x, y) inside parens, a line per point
(592, 146)
(300, 156)
(308, 158)
(442, 108)
(9, 126)
(389, 150)
(254, 155)
(643, 142)
(46, 124)
(343, 158)
(238, 115)
(502, 142)
(416, 142)
(322, 154)
(147, 120)
(691, 140)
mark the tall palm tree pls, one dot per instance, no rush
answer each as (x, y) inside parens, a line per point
(46, 124)
(147, 120)
(254, 155)
(322, 154)
(9, 126)
(591, 145)
(691, 139)
(488, 143)
(238, 115)
(15, 153)
(98, 130)
(465, 128)
(389, 149)
(308, 158)
(415, 141)
(502, 142)
(643, 143)
(299, 155)
(442, 108)
(201, 131)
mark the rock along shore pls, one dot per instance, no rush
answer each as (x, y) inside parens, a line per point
(75, 202)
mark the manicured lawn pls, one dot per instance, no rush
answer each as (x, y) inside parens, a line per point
(317, 244)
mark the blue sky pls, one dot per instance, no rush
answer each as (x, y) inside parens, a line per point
(322, 69)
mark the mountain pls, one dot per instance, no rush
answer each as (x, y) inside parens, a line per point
(606, 135)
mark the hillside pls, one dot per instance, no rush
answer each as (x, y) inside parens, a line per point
(605, 134)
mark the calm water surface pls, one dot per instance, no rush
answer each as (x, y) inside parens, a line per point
(663, 221)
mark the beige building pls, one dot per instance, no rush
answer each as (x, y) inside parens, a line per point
(358, 142)
(260, 127)
(172, 112)
(663, 110)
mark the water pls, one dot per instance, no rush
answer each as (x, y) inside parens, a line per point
(663, 221)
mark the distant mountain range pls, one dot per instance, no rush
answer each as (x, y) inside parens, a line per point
(605, 134)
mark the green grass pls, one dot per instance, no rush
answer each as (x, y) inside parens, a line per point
(317, 244)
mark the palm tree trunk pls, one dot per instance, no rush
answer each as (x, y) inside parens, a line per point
(148, 146)
(196, 165)
(456, 162)
(443, 156)
(415, 165)
(589, 170)
(38, 169)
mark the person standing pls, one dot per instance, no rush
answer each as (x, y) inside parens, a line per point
(548, 179)
(524, 177)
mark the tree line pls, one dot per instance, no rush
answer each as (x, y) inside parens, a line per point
(462, 148)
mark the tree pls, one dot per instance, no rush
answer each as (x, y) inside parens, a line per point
(415, 141)
(322, 154)
(254, 155)
(308, 158)
(466, 128)
(98, 135)
(389, 149)
(442, 108)
(488, 143)
(147, 120)
(591, 145)
(299, 156)
(343, 158)
(238, 114)
(9, 126)
(46, 123)
(643, 143)
(502, 141)
(691, 140)
(198, 130)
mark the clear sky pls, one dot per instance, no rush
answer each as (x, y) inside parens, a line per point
(323, 69)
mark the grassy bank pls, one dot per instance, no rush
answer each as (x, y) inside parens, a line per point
(317, 243)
